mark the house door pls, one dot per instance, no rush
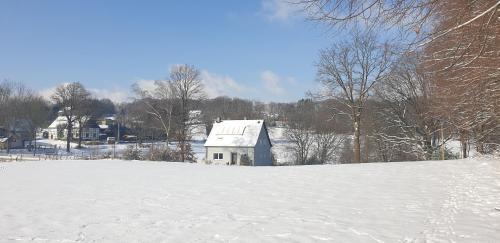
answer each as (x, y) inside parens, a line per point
(234, 158)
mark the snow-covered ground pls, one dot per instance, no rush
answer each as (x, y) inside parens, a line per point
(281, 145)
(119, 201)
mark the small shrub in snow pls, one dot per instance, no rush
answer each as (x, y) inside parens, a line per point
(92, 143)
(162, 153)
(132, 153)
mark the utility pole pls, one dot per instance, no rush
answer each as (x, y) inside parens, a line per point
(118, 133)
(34, 150)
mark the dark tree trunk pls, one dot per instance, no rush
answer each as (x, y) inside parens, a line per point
(428, 147)
(69, 136)
(357, 142)
(80, 129)
(463, 143)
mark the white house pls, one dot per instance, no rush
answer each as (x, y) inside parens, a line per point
(239, 142)
(58, 129)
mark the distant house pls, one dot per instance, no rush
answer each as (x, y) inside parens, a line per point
(3, 132)
(13, 141)
(239, 142)
(59, 129)
(15, 135)
(107, 126)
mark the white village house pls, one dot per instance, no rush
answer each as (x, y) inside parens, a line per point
(58, 129)
(239, 142)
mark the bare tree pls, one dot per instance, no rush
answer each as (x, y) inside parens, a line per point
(464, 67)
(6, 90)
(187, 87)
(21, 109)
(71, 98)
(460, 40)
(349, 70)
(302, 141)
(159, 104)
(327, 139)
(300, 130)
(89, 110)
(414, 19)
(407, 99)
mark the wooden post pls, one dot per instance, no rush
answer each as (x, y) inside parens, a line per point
(442, 149)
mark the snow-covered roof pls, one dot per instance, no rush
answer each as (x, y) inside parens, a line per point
(235, 133)
(62, 121)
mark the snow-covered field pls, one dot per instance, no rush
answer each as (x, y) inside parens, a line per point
(119, 201)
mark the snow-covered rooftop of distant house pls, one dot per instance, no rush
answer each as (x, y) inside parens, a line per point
(3, 140)
(61, 120)
(235, 133)
(103, 126)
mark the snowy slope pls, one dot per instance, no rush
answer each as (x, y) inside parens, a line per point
(118, 201)
(282, 147)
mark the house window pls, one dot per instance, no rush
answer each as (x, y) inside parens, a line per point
(218, 156)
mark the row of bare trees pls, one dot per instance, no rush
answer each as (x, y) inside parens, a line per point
(22, 110)
(432, 76)
(464, 67)
(313, 133)
(169, 107)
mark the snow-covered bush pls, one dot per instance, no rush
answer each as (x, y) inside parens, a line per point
(165, 153)
(132, 153)
(162, 153)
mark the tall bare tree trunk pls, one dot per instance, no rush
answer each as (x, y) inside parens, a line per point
(367, 148)
(463, 143)
(428, 147)
(357, 142)
(442, 149)
(8, 144)
(69, 136)
(80, 129)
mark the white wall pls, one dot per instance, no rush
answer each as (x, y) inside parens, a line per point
(93, 133)
(226, 151)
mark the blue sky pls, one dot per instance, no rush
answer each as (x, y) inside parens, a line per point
(260, 49)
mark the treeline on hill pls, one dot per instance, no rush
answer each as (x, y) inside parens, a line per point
(398, 122)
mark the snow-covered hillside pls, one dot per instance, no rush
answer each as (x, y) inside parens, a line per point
(118, 201)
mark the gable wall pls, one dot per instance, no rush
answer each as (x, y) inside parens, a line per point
(263, 150)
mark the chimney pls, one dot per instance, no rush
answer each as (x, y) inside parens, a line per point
(218, 120)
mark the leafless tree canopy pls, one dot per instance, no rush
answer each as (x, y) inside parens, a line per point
(349, 70)
(452, 88)
(407, 99)
(21, 109)
(188, 87)
(72, 99)
(414, 19)
(159, 103)
(169, 105)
